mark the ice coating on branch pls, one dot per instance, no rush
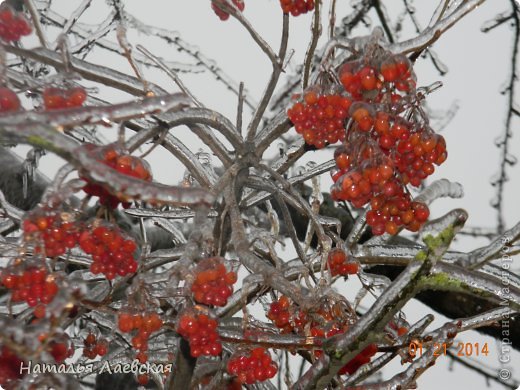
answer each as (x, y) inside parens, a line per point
(177, 235)
(453, 218)
(441, 189)
(137, 189)
(68, 118)
(172, 213)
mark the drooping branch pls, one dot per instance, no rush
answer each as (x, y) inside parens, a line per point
(429, 35)
(53, 140)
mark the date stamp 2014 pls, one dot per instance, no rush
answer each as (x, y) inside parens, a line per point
(417, 348)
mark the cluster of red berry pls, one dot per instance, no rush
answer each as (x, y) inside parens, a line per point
(32, 285)
(383, 80)
(389, 212)
(94, 347)
(112, 253)
(13, 25)
(252, 366)
(10, 371)
(123, 163)
(145, 325)
(327, 321)
(320, 117)
(382, 151)
(57, 233)
(201, 332)
(9, 101)
(213, 283)
(297, 7)
(62, 98)
(223, 15)
(415, 156)
(339, 263)
(286, 316)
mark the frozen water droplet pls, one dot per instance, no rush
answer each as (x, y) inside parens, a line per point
(300, 170)
(495, 179)
(499, 141)
(511, 160)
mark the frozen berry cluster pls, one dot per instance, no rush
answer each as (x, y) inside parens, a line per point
(328, 320)
(13, 25)
(57, 232)
(297, 7)
(123, 163)
(386, 148)
(213, 283)
(9, 101)
(94, 347)
(33, 285)
(143, 325)
(383, 78)
(320, 117)
(286, 316)
(340, 264)
(112, 253)
(253, 366)
(54, 232)
(223, 15)
(201, 332)
(9, 368)
(387, 143)
(55, 98)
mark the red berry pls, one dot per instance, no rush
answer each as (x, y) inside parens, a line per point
(9, 101)
(213, 284)
(223, 15)
(320, 118)
(125, 322)
(339, 265)
(201, 333)
(109, 250)
(13, 25)
(143, 379)
(253, 366)
(297, 7)
(60, 98)
(101, 348)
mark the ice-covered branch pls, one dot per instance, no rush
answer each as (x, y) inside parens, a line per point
(273, 81)
(444, 335)
(480, 256)
(429, 35)
(256, 265)
(117, 183)
(96, 115)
